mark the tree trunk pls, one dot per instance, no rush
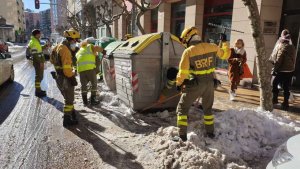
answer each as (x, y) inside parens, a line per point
(108, 30)
(138, 22)
(263, 65)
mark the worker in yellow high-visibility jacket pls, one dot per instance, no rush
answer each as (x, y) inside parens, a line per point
(61, 58)
(196, 78)
(87, 69)
(38, 59)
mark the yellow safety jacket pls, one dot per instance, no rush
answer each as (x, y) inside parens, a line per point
(86, 60)
(200, 59)
(36, 49)
(62, 60)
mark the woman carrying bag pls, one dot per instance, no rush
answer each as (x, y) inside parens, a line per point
(238, 69)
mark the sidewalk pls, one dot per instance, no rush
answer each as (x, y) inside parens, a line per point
(249, 98)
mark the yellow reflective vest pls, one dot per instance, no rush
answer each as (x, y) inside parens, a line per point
(36, 50)
(200, 59)
(86, 60)
(34, 45)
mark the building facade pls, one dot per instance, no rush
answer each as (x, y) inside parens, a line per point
(174, 15)
(45, 20)
(59, 13)
(33, 21)
(13, 12)
(6, 31)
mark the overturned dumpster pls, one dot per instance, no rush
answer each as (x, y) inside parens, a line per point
(141, 64)
(108, 65)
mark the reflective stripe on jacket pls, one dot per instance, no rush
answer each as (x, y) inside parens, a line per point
(200, 59)
(86, 60)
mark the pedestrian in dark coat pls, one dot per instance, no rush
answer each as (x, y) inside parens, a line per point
(284, 60)
(236, 61)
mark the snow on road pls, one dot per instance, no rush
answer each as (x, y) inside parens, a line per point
(245, 138)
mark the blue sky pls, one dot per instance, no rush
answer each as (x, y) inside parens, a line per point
(30, 4)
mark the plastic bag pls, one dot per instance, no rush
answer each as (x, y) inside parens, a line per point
(44, 83)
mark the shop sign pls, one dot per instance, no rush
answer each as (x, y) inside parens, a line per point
(270, 27)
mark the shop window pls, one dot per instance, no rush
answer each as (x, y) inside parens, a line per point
(154, 20)
(178, 17)
(218, 12)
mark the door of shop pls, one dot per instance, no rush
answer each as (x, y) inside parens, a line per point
(290, 20)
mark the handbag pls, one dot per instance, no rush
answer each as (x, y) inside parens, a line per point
(247, 73)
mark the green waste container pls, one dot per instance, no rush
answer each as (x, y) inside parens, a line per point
(108, 65)
(103, 42)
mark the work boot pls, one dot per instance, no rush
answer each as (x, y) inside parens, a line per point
(40, 93)
(178, 138)
(54, 75)
(94, 100)
(69, 120)
(84, 99)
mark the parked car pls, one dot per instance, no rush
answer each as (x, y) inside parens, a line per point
(3, 46)
(6, 68)
(287, 155)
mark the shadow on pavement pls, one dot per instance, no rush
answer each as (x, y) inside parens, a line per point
(107, 150)
(131, 123)
(9, 96)
(57, 104)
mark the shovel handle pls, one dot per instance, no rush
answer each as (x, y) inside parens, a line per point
(166, 100)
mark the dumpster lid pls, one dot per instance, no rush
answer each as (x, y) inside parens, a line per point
(139, 43)
(104, 41)
(112, 46)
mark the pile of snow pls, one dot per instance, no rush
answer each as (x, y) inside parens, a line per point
(187, 154)
(244, 139)
(250, 134)
(110, 101)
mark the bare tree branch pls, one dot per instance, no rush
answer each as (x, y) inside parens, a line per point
(144, 7)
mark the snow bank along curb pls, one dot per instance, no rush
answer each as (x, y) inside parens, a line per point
(244, 138)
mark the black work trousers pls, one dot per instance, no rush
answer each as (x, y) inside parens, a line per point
(284, 79)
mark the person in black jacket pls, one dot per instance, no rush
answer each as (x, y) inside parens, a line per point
(284, 59)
